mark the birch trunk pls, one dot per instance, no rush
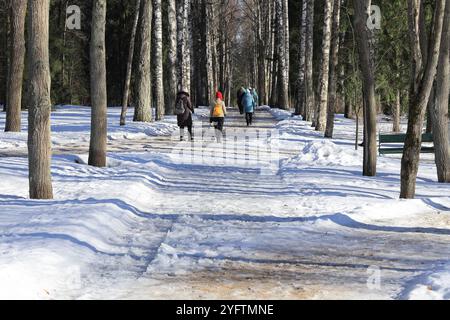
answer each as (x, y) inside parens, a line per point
(332, 90)
(184, 45)
(283, 72)
(158, 99)
(325, 67)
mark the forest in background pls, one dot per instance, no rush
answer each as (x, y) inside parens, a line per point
(314, 57)
(69, 50)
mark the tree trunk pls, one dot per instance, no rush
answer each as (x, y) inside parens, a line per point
(261, 44)
(283, 72)
(39, 141)
(184, 45)
(300, 106)
(4, 54)
(143, 110)
(397, 113)
(99, 117)
(309, 80)
(370, 107)
(418, 105)
(275, 58)
(126, 89)
(332, 90)
(325, 67)
(14, 94)
(171, 57)
(287, 49)
(158, 99)
(440, 111)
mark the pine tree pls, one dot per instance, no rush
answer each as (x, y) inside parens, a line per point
(420, 94)
(99, 123)
(39, 108)
(14, 93)
(143, 111)
(126, 90)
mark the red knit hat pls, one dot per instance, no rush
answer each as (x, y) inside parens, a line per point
(219, 95)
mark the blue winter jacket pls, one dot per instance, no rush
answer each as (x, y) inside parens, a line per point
(248, 102)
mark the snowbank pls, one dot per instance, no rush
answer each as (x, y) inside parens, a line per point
(325, 153)
(434, 286)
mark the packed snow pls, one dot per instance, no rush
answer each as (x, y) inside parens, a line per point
(276, 212)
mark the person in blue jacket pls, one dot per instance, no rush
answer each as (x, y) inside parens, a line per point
(249, 107)
(255, 96)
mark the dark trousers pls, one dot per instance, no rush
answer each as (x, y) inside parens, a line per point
(189, 129)
(220, 123)
(183, 123)
(249, 118)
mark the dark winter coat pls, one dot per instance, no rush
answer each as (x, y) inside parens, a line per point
(185, 120)
(240, 94)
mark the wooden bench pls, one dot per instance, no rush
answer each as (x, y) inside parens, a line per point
(401, 138)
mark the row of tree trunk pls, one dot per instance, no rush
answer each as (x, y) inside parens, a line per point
(427, 51)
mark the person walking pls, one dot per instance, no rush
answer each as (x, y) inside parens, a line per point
(239, 96)
(218, 114)
(255, 96)
(184, 111)
(249, 107)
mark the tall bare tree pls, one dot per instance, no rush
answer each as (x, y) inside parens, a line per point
(368, 79)
(283, 72)
(39, 108)
(332, 89)
(300, 105)
(322, 105)
(184, 44)
(14, 93)
(4, 54)
(143, 110)
(157, 64)
(420, 96)
(126, 90)
(439, 112)
(171, 56)
(99, 117)
(309, 80)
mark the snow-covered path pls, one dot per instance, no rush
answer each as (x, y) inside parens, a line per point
(281, 214)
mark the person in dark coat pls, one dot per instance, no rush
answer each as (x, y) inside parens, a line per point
(184, 111)
(240, 94)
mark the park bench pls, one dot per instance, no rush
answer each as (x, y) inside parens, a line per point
(391, 139)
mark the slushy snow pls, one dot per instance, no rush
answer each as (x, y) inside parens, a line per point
(179, 220)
